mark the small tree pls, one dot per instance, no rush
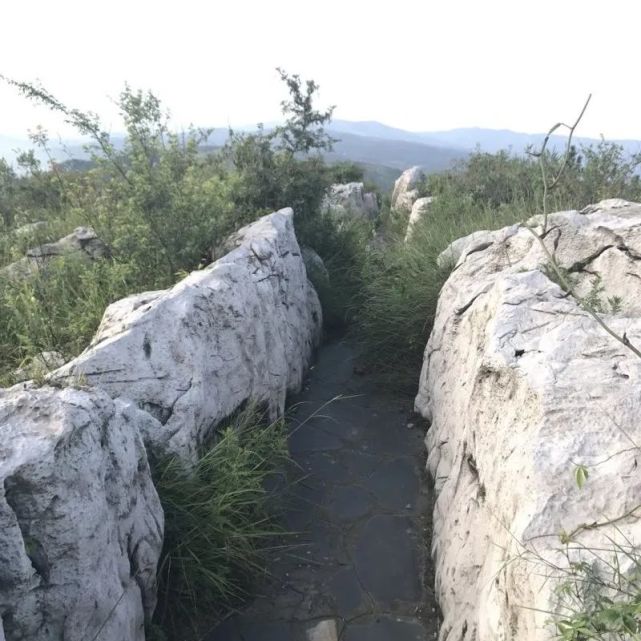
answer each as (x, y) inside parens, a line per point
(304, 128)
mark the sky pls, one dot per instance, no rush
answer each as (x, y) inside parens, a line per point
(419, 65)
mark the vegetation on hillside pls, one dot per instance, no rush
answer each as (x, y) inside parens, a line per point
(402, 280)
(161, 207)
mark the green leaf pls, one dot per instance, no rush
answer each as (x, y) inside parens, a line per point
(581, 475)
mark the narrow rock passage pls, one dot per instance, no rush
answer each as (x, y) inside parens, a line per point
(361, 508)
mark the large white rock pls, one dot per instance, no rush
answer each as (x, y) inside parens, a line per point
(406, 190)
(243, 329)
(350, 200)
(420, 209)
(80, 521)
(521, 385)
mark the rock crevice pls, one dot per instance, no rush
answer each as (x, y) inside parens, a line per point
(81, 524)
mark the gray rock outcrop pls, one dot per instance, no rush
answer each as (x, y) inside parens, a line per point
(350, 200)
(82, 242)
(242, 329)
(315, 267)
(521, 385)
(81, 525)
(406, 190)
(80, 521)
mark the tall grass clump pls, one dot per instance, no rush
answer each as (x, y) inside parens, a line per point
(402, 282)
(57, 308)
(342, 245)
(220, 523)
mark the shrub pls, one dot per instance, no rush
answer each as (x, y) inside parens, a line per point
(343, 247)
(601, 598)
(159, 204)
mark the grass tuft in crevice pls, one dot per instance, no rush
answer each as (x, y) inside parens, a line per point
(220, 523)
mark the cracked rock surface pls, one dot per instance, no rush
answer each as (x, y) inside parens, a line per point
(521, 385)
(80, 521)
(406, 190)
(360, 510)
(242, 329)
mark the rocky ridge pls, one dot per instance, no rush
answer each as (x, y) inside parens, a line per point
(76, 497)
(521, 386)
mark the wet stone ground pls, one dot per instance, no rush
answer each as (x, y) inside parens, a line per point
(360, 507)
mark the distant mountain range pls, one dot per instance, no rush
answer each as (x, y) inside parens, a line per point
(383, 151)
(466, 139)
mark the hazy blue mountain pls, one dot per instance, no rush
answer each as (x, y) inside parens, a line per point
(382, 150)
(493, 140)
(468, 138)
(373, 129)
(399, 154)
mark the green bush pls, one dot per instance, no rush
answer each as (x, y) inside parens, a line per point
(219, 524)
(601, 599)
(343, 246)
(160, 205)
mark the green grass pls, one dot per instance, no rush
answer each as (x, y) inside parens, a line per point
(219, 525)
(402, 283)
(56, 309)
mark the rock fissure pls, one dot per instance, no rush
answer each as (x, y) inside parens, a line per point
(580, 265)
(463, 308)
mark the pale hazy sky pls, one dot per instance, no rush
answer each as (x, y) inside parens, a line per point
(418, 65)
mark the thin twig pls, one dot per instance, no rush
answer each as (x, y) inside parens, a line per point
(541, 156)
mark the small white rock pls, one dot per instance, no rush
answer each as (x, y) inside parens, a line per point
(323, 631)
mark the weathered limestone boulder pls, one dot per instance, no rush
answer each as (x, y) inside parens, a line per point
(80, 521)
(82, 242)
(243, 329)
(351, 201)
(476, 241)
(406, 190)
(420, 209)
(521, 386)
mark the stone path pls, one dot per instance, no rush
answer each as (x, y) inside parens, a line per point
(359, 564)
